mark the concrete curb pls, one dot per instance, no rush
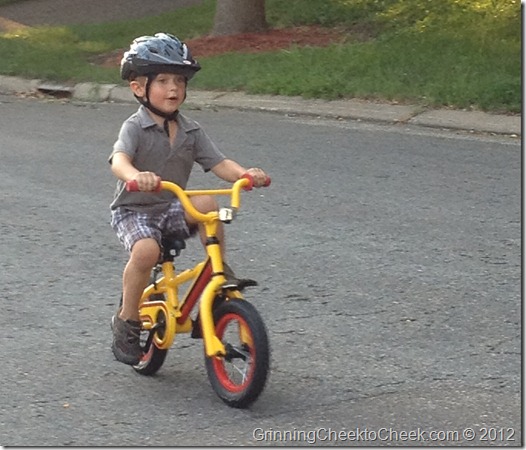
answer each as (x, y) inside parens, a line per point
(353, 109)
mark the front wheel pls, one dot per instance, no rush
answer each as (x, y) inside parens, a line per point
(239, 377)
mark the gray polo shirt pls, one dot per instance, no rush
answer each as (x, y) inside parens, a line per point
(149, 148)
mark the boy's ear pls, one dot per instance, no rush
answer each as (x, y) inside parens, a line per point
(138, 88)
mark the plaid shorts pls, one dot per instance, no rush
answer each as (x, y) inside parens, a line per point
(132, 226)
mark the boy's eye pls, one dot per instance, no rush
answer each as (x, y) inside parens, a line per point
(179, 79)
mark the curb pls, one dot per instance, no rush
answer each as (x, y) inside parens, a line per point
(353, 109)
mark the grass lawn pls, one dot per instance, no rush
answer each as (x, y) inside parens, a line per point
(460, 54)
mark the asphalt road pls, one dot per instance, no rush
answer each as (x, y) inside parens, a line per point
(67, 12)
(389, 268)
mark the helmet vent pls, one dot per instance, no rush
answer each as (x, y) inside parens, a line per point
(154, 54)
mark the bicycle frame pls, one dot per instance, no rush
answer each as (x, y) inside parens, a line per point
(207, 276)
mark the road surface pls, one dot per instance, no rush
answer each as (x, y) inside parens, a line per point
(389, 268)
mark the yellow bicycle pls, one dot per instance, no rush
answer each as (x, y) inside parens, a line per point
(235, 339)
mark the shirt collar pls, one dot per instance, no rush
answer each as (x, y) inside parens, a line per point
(146, 120)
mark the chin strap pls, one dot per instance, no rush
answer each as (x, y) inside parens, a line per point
(167, 116)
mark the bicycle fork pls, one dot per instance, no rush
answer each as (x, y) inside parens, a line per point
(213, 345)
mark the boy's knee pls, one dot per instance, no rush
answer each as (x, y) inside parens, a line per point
(145, 253)
(205, 203)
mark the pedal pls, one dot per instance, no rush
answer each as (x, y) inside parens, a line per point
(239, 284)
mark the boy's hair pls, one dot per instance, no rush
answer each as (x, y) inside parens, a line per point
(133, 76)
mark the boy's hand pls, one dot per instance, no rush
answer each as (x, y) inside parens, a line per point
(259, 176)
(147, 181)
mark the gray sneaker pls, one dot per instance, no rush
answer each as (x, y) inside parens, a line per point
(126, 344)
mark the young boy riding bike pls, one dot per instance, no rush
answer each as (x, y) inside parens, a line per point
(158, 142)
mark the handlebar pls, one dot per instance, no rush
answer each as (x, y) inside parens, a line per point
(246, 182)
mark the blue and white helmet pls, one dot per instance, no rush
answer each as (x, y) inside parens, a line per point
(162, 53)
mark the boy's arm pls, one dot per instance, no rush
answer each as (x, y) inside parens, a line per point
(231, 171)
(122, 168)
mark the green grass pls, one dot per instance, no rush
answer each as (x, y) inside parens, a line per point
(448, 53)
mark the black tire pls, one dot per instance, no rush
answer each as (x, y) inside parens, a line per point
(153, 357)
(239, 377)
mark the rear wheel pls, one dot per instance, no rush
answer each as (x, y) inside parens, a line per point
(239, 377)
(153, 357)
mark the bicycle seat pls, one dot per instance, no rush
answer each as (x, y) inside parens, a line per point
(172, 246)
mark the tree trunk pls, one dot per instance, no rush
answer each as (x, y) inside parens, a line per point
(239, 16)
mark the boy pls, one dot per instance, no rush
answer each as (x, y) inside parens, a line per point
(158, 143)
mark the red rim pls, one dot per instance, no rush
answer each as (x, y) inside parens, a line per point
(148, 355)
(219, 363)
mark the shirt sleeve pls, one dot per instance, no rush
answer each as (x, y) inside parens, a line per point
(127, 141)
(208, 154)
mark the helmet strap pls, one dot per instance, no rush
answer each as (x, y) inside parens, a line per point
(147, 104)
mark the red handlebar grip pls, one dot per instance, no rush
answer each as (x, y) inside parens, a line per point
(250, 178)
(132, 186)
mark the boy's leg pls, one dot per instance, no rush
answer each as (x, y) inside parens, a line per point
(144, 255)
(140, 233)
(206, 204)
(126, 324)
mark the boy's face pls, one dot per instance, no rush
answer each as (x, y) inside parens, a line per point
(167, 91)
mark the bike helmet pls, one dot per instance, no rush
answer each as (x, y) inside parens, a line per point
(151, 55)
